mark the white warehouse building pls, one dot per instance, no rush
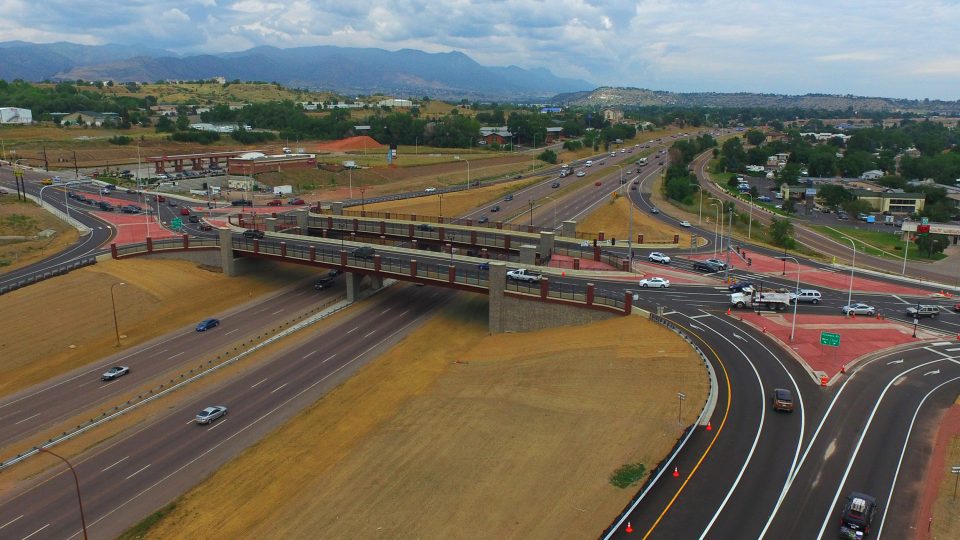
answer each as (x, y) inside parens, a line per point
(15, 115)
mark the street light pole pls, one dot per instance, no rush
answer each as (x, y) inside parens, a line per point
(76, 481)
(796, 300)
(853, 265)
(113, 302)
(750, 223)
(441, 206)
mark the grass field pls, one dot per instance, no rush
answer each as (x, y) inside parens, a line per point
(877, 243)
(946, 519)
(65, 322)
(25, 218)
(611, 217)
(456, 433)
(454, 204)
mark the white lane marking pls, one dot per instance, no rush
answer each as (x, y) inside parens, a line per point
(900, 299)
(138, 472)
(11, 521)
(934, 372)
(251, 424)
(694, 316)
(311, 353)
(328, 358)
(259, 382)
(372, 332)
(115, 464)
(669, 312)
(386, 310)
(941, 343)
(831, 508)
(955, 349)
(25, 419)
(215, 424)
(86, 383)
(352, 330)
(278, 388)
(404, 313)
(191, 421)
(232, 331)
(903, 451)
(36, 531)
(900, 361)
(176, 355)
(741, 338)
(158, 353)
(277, 311)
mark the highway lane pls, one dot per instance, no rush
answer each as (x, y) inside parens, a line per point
(859, 443)
(168, 454)
(41, 407)
(750, 448)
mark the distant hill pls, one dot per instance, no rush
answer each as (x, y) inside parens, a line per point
(341, 69)
(637, 97)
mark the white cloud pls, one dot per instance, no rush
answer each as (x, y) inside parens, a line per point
(870, 47)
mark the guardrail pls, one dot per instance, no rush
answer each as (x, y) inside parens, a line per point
(664, 465)
(47, 273)
(299, 322)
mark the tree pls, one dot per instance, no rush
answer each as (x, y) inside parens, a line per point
(548, 156)
(781, 232)
(932, 243)
(755, 137)
(833, 195)
(857, 206)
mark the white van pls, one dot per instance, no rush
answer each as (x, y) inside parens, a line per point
(808, 295)
(589, 163)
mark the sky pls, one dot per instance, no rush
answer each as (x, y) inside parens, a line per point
(904, 49)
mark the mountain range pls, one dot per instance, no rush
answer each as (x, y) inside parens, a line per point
(340, 69)
(608, 96)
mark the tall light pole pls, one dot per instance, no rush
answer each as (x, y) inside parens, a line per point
(350, 174)
(441, 205)
(555, 204)
(468, 168)
(796, 300)
(113, 302)
(718, 226)
(76, 481)
(750, 224)
(629, 220)
(906, 248)
(700, 219)
(533, 155)
(853, 265)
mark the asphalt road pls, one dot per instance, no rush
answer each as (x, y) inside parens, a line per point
(168, 454)
(48, 405)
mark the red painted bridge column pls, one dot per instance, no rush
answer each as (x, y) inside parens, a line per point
(113, 250)
(452, 274)
(544, 287)
(256, 246)
(413, 268)
(186, 241)
(627, 302)
(591, 291)
(149, 244)
(283, 249)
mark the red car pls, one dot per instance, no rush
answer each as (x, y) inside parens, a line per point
(596, 184)
(956, 307)
(275, 202)
(184, 211)
(297, 202)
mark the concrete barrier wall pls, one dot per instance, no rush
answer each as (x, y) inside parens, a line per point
(519, 315)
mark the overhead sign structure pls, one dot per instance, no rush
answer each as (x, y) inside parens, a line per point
(830, 339)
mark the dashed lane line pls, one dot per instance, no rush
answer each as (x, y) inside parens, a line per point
(25, 419)
(115, 464)
(145, 467)
(275, 390)
(256, 384)
(11, 521)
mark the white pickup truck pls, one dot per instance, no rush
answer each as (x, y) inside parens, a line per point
(773, 301)
(524, 275)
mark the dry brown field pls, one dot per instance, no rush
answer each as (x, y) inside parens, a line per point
(455, 432)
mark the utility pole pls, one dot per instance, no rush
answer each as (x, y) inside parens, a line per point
(76, 170)
(531, 202)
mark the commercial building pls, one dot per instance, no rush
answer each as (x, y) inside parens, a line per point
(15, 115)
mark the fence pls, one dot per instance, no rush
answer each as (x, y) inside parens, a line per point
(47, 273)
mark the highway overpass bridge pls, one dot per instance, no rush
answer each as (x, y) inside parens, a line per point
(513, 306)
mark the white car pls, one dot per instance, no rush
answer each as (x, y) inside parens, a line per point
(210, 414)
(684, 223)
(581, 173)
(430, 189)
(655, 282)
(656, 256)
(115, 372)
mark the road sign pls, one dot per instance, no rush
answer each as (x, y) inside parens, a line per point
(829, 338)
(924, 221)
(176, 223)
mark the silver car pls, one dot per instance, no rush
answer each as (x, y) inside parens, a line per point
(859, 309)
(210, 414)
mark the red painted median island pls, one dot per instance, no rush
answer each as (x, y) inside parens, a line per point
(858, 336)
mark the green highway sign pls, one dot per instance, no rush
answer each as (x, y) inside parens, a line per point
(176, 223)
(829, 338)
(924, 221)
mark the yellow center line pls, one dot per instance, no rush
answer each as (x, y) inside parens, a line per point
(723, 422)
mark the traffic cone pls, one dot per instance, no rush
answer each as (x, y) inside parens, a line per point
(728, 311)
(709, 427)
(676, 472)
(629, 528)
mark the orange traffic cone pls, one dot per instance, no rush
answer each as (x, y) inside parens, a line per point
(709, 427)
(676, 472)
(629, 528)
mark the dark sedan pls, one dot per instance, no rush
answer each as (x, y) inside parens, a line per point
(207, 324)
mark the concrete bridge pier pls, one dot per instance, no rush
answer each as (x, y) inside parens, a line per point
(354, 285)
(231, 266)
(270, 224)
(547, 239)
(528, 254)
(568, 229)
(497, 281)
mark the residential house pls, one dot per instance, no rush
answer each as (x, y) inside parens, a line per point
(613, 115)
(495, 135)
(554, 133)
(90, 118)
